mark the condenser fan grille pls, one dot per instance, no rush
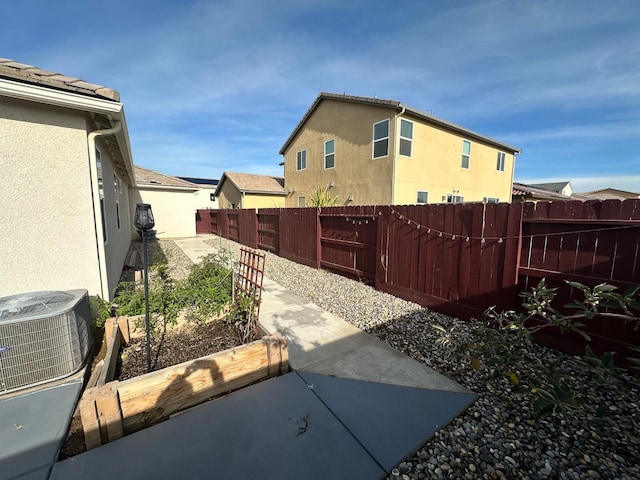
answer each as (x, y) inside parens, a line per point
(19, 306)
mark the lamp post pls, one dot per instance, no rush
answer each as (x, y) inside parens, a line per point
(143, 221)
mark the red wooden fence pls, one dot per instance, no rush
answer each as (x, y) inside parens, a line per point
(459, 259)
(588, 242)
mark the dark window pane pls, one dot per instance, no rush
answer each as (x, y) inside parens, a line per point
(329, 161)
(405, 147)
(381, 130)
(380, 148)
(406, 129)
(465, 161)
(329, 147)
(422, 197)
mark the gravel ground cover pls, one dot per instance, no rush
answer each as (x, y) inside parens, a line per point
(499, 436)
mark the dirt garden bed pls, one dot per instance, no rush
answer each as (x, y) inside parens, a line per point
(176, 345)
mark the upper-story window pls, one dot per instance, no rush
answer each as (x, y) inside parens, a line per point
(466, 153)
(301, 162)
(329, 154)
(381, 139)
(500, 162)
(406, 137)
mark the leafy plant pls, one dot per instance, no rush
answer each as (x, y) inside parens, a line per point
(242, 314)
(321, 197)
(101, 311)
(501, 340)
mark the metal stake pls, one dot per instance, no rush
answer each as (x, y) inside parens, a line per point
(146, 300)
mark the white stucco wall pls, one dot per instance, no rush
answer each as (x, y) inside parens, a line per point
(116, 192)
(47, 233)
(174, 211)
(202, 199)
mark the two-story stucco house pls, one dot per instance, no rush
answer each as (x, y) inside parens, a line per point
(371, 151)
(66, 170)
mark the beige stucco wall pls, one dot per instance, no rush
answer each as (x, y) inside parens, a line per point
(230, 196)
(47, 228)
(356, 172)
(116, 203)
(262, 201)
(174, 211)
(435, 167)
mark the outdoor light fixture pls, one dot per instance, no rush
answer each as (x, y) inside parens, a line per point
(144, 217)
(143, 221)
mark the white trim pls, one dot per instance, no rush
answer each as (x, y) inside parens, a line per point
(422, 191)
(410, 140)
(50, 96)
(467, 155)
(304, 200)
(305, 160)
(373, 138)
(326, 154)
(504, 161)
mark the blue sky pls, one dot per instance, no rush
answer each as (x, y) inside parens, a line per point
(220, 85)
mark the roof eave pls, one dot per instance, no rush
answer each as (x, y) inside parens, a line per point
(459, 129)
(59, 98)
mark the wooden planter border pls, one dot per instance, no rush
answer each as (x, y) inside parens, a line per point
(114, 409)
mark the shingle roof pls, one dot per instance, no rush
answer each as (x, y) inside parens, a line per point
(520, 189)
(29, 74)
(149, 178)
(399, 107)
(252, 183)
(552, 187)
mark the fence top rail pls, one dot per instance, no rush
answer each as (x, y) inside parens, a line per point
(347, 215)
(583, 221)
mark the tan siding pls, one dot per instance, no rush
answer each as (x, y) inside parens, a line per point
(435, 166)
(355, 172)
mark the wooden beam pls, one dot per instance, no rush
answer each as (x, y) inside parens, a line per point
(113, 337)
(119, 408)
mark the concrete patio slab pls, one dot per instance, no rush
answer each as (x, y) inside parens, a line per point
(33, 426)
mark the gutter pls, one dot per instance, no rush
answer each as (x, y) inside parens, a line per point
(97, 215)
(396, 149)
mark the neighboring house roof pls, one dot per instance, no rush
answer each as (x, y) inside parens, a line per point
(611, 193)
(556, 187)
(399, 108)
(252, 183)
(201, 182)
(530, 191)
(146, 178)
(36, 76)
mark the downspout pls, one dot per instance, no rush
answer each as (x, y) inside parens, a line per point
(513, 172)
(95, 193)
(395, 155)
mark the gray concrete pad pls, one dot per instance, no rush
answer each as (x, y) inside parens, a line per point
(320, 342)
(276, 429)
(33, 427)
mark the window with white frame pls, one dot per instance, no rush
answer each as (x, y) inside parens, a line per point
(301, 163)
(302, 201)
(491, 200)
(406, 137)
(500, 162)
(453, 198)
(329, 154)
(381, 139)
(423, 197)
(116, 195)
(466, 153)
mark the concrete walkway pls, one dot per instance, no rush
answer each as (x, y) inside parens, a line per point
(322, 343)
